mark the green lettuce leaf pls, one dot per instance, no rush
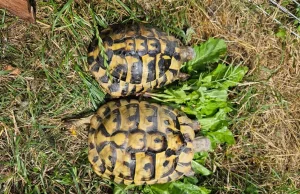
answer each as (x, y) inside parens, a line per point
(200, 169)
(207, 52)
(224, 76)
(158, 189)
(186, 188)
(223, 135)
(176, 187)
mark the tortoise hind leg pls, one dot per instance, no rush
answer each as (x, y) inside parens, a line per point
(74, 123)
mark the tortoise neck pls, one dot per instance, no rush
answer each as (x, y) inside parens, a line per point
(195, 125)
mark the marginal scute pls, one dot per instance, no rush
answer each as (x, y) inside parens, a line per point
(138, 142)
(135, 54)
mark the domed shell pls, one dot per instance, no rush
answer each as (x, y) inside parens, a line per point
(139, 58)
(137, 142)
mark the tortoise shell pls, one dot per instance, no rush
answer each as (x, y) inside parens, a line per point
(137, 142)
(139, 58)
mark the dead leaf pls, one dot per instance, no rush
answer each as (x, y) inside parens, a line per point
(14, 71)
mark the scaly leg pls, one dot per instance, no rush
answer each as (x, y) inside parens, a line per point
(73, 124)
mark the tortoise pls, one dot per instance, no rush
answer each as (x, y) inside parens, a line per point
(139, 58)
(139, 142)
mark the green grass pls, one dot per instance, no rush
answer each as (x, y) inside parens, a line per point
(38, 156)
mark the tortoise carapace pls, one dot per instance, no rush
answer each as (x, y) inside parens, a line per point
(139, 58)
(138, 142)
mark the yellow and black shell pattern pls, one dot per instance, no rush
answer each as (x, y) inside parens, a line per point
(137, 142)
(139, 58)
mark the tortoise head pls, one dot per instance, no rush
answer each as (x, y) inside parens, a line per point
(201, 144)
(195, 125)
(187, 53)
